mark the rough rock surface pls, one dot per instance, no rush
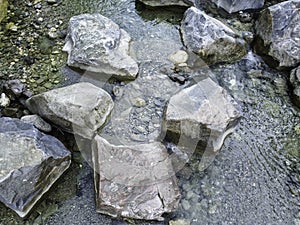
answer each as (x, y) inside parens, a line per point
(232, 6)
(30, 163)
(278, 29)
(211, 39)
(167, 2)
(38, 122)
(97, 44)
(80, 108)
(295, 81)
(202, 112)
(134, 181)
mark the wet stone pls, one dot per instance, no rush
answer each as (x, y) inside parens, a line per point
(80, 108)
(203, 113)
(135, 181)
(30, 163)
(180, 222)
(278, 29)
(208, 37)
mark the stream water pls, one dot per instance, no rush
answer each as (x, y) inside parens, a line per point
(256, 177)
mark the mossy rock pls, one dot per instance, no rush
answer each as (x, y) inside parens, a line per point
(3, 9)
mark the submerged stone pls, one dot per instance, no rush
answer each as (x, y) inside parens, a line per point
(30, 163)
(95, 43)
(278, 29)
(80, 108)
(212, 40)
(232, 6)
(135, 181)
(203, 112)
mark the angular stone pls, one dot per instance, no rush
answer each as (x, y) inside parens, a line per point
(211, 39)
(14, 88)
(30, 163)
(232, 6)
(278, 29)
(97, 44)
(203, 112)
(38, 122)
(135, 181)
(80, 108)
(167, 2)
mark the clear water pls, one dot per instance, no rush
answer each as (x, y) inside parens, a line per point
(254, 179)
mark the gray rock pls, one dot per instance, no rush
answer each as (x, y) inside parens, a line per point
(4, 100)
(30, 163)
(38, 122)
(232, 6)
(135, 181)
(80, 108)
(278, 29)
(97, 44)
(212, 40)
(168, 2)
(203, 112)
(14, 88)
(295, 81)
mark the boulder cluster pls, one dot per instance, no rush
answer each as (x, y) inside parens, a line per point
(136, 179)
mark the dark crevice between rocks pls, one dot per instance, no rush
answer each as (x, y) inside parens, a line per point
(169, 14)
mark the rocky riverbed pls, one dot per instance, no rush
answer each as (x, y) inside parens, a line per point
(253, 179)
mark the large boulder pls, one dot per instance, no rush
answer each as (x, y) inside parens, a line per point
(203, 112)
(278, 29)
(232, 6)
(80, 108)
(295, 81)
(30, 163)
(135, 181)
(97, 44)
(212, 40)
(167, 2)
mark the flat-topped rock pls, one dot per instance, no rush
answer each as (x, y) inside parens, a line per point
(81, 108)
(135, 181)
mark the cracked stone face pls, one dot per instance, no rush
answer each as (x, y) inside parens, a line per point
(278, 27)
(134, 181)
(30, 162)
(208, 37)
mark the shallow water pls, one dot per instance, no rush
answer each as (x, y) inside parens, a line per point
(254, 179)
